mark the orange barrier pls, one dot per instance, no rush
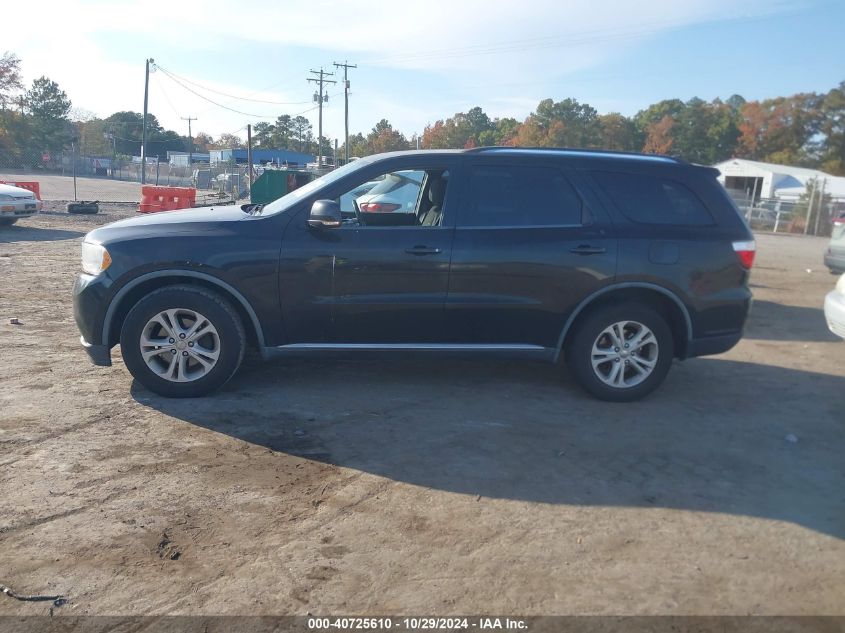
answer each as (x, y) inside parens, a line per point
(34, 187)
(155, 199)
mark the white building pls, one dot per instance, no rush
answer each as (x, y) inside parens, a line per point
(747, 178)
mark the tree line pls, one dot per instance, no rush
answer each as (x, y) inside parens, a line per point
(805, 129)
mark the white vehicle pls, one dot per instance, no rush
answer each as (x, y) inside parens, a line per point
(17, 203)
(834, 308)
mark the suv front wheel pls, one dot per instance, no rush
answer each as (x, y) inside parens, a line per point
(620, 353)
(182, 341)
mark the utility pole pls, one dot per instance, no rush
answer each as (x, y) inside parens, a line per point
(346, 66)
(144, 132)
(321, 99)
(810, 206)
(249, 156)
(190, 141)
(821, 207)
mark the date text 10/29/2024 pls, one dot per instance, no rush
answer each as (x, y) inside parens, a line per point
(417, 624)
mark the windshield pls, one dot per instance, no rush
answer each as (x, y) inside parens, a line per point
(287, 201)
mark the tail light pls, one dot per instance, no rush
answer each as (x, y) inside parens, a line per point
(745, 251)
(379, 207)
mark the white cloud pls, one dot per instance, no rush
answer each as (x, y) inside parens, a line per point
(490, 43)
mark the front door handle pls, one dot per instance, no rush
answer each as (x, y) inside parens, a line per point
(422, 250)
(587, 249)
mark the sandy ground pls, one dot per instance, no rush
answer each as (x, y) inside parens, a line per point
(411, 486)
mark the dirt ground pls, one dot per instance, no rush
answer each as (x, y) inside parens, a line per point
(60, 188)
(410, 486)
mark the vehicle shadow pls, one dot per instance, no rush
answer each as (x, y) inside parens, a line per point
(770, 321)
(23, 233)
(717, 437)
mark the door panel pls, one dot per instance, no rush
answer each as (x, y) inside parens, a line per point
(517, 285)
(380, 282)
(385, 294)
(515, 281)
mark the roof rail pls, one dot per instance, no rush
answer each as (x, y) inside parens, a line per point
(577, 150)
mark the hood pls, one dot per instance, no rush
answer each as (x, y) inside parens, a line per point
(15, 192)
(168, 223)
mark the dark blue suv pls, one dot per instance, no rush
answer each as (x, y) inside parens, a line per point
(614, 263)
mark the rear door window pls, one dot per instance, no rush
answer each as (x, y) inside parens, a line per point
(517, 196)
(653, 200)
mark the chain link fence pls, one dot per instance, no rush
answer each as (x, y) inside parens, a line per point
(775, 215)
(67, 176)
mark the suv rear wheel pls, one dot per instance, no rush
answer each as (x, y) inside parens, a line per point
(182, 341)
(620, 353)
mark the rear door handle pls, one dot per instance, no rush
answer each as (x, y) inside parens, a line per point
(587, 249)
(422, 250)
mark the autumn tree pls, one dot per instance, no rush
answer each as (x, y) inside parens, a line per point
(383, 138)
(658, 138)
(10, 78)
(566, 123)
(229, 141)
(618, 132)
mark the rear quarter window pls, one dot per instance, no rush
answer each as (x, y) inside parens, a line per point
(646, 199)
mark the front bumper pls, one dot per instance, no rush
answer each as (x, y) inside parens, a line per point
(90, 302)
(835, 260)
(100, 355)
(834, 312)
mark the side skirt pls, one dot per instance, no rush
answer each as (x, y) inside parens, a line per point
(533, 352)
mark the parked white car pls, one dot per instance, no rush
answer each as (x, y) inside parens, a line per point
(17, 203)
(834, 308)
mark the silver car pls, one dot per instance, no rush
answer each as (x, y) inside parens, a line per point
(834, 308)
(17, 203)
(834, 257)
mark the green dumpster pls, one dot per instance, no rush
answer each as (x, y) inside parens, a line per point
(274, 183)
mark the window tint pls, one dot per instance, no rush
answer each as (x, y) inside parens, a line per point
(520, 196)
(395, 192)
(653, 200)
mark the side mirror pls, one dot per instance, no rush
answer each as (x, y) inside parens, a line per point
(325, 214)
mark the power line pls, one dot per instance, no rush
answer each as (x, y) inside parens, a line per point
(231, 96)
(203, 97)
(166, 98)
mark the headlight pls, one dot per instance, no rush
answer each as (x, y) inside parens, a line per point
(95, 258)
(840, 285)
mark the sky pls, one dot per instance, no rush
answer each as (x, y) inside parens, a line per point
(417, 63)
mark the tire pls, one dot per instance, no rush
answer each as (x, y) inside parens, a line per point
(7, 221)
(641, 372)
(83, 207)
(212, 352)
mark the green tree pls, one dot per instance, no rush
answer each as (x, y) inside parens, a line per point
(262, 134)
(832, 148)
(49, 106)
(301, 133)
(283, 131)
